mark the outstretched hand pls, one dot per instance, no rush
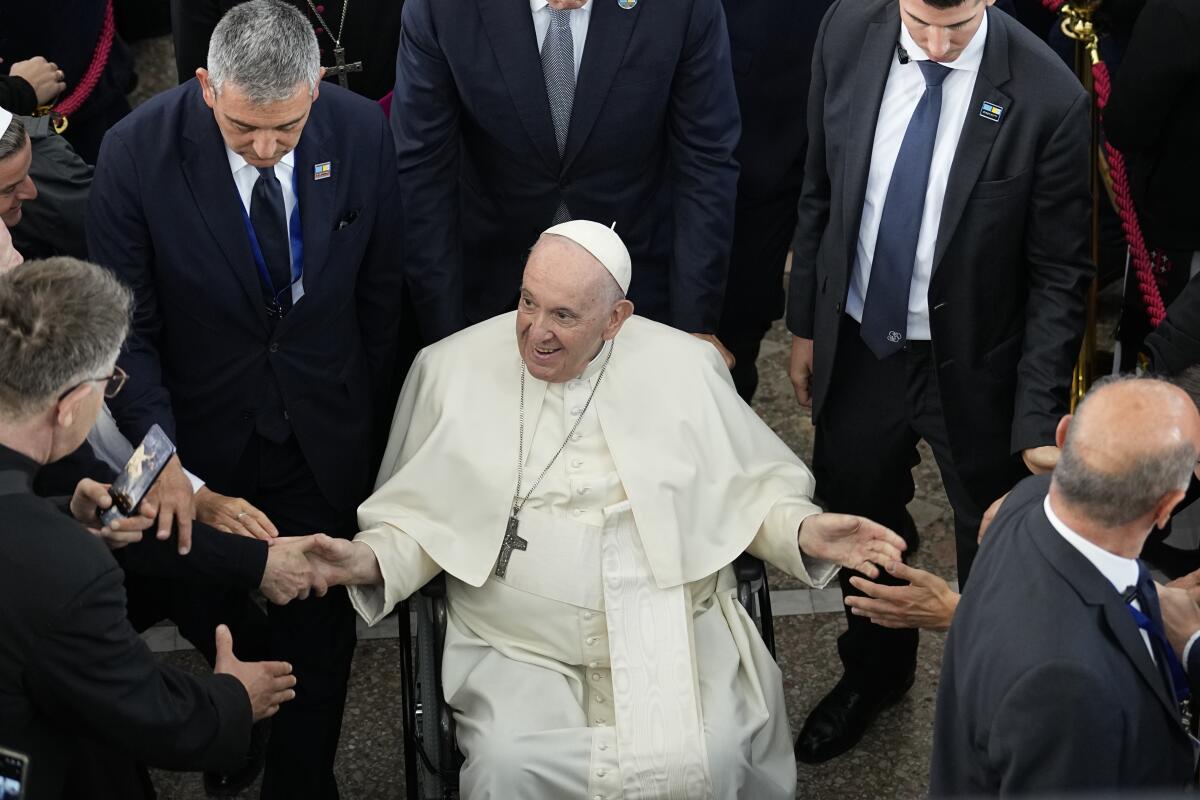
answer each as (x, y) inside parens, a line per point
(926, 602)
(854, 542)
(341, 562)
(268, 684)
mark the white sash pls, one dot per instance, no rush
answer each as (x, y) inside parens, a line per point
(655, 688)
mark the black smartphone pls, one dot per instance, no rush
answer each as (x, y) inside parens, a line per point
(141, 471)
(13, 767)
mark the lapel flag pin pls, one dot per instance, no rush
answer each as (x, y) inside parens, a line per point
(627, 4)
(322, 170)
(991, 111)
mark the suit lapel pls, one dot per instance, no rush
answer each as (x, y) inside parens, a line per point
(609, 29)
(206, 169)
(316, 199)
(878, 50)
(509, 27)
(978, 133)
(1095, 590)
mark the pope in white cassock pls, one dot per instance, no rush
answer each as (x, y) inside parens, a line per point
(585, 478)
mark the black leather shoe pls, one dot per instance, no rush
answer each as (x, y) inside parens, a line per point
(840, 720)
(229, 784)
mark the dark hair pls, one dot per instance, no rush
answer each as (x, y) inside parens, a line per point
(13, 139)
(948, 3)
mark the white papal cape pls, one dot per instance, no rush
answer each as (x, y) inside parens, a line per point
(612, 659)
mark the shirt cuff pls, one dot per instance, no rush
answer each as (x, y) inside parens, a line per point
(778, 542)
(405, 568)
(195, 481)
(1187, 648)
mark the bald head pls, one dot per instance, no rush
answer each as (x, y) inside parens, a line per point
(1131, 443)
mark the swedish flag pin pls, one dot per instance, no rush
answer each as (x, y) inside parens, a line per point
(627, 4)
(322, 170)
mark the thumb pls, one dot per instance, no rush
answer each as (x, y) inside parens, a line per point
(224, 646)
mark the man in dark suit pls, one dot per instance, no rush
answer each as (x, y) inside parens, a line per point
(1058, 676)
(771, 45)
(628, 114)
(80, 694)
(938, 283)
(259, 227)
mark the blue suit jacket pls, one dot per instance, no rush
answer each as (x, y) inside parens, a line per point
(165, 216)
(652, 133)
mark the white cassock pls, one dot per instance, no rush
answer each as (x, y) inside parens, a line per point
(613, 659)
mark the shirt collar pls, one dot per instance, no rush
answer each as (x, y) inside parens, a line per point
(237, 163)
(537, 5)
(972, 54)
(1121, 572)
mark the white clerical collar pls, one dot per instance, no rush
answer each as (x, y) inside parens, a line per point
(1121, 572)
(594, 366)
(237, 163)
(972, 54)
(537, 5)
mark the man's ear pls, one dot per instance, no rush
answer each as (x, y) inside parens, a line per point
(622, 311)
(69, 406)
(206, 88)
(1164, 507)
(1060, 433)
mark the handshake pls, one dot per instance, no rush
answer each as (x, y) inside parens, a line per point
(300, 565)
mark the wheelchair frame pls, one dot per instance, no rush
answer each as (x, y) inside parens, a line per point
(431, 757)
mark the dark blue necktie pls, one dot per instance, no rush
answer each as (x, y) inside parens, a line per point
(885, 309)
(270, 228)
(1149, 619)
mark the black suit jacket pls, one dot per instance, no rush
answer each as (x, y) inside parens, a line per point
(1047, 684)
(652, 133)
(74, 676)
(1011, 261)
(165, 216)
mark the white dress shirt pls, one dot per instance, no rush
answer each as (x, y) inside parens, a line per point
(905, 86)
(245, 176)
(1121, 572)
(579, 26)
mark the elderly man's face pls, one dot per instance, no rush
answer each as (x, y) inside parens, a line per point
(260, 133)
(943, 33)
(566, 311)
(15, 184)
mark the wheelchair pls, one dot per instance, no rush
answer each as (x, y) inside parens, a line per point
(431, 757)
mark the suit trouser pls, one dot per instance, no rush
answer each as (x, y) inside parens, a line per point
(866, 447)
(316, 636)
(762, 234)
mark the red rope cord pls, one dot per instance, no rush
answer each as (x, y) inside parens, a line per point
(1143, 264)
(71, 103)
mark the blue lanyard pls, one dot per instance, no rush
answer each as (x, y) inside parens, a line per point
(1178, 676)
(295, 236)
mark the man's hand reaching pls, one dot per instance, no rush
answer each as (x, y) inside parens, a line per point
(341, 562)
(91, 498)
(173, 497)
(854, 542)
(233, 515)
(926, 602)
(289, 574)
(268, 683)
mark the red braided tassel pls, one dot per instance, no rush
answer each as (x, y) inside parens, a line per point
(1143, 266)
(71, 103)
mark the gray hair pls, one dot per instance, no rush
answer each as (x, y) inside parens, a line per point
(1114, 499)
(62, 322)
(265, 48)
(13, 139)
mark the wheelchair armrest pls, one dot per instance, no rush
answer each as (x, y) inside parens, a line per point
(748, 569)
(436, 588)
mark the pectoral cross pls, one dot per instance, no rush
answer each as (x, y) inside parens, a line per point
(339, 56)
(512, 541)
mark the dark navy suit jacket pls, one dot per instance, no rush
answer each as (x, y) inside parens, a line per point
(165, 216)
(652, 133)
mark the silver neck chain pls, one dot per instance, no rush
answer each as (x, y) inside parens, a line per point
(337, 40)
(518, 501)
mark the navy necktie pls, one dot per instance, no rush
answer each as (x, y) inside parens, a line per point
(1150, 620)
(885, 309)
(271, 229)
(558, 68)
